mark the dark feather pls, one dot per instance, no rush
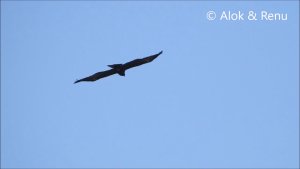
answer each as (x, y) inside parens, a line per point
(138, 62)
(119, 68)
(97, 76)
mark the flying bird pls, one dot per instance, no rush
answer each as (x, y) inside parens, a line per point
(119, 68)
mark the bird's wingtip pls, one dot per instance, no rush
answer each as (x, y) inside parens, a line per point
(160, 52)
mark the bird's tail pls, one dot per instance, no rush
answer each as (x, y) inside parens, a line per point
(115, 66)
(119, 69)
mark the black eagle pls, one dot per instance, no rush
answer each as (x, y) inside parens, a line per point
(119, 68)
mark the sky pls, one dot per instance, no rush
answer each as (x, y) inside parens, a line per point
(224, 93)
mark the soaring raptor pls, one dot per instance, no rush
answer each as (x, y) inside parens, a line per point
(119, 68)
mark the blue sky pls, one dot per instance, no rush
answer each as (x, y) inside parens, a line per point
(223, 94)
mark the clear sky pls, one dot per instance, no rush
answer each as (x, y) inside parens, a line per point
(223, 94)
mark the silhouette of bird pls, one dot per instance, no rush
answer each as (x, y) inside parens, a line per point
(119, 68)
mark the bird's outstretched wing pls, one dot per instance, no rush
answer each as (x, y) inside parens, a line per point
(97, 76)
(138, 62)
